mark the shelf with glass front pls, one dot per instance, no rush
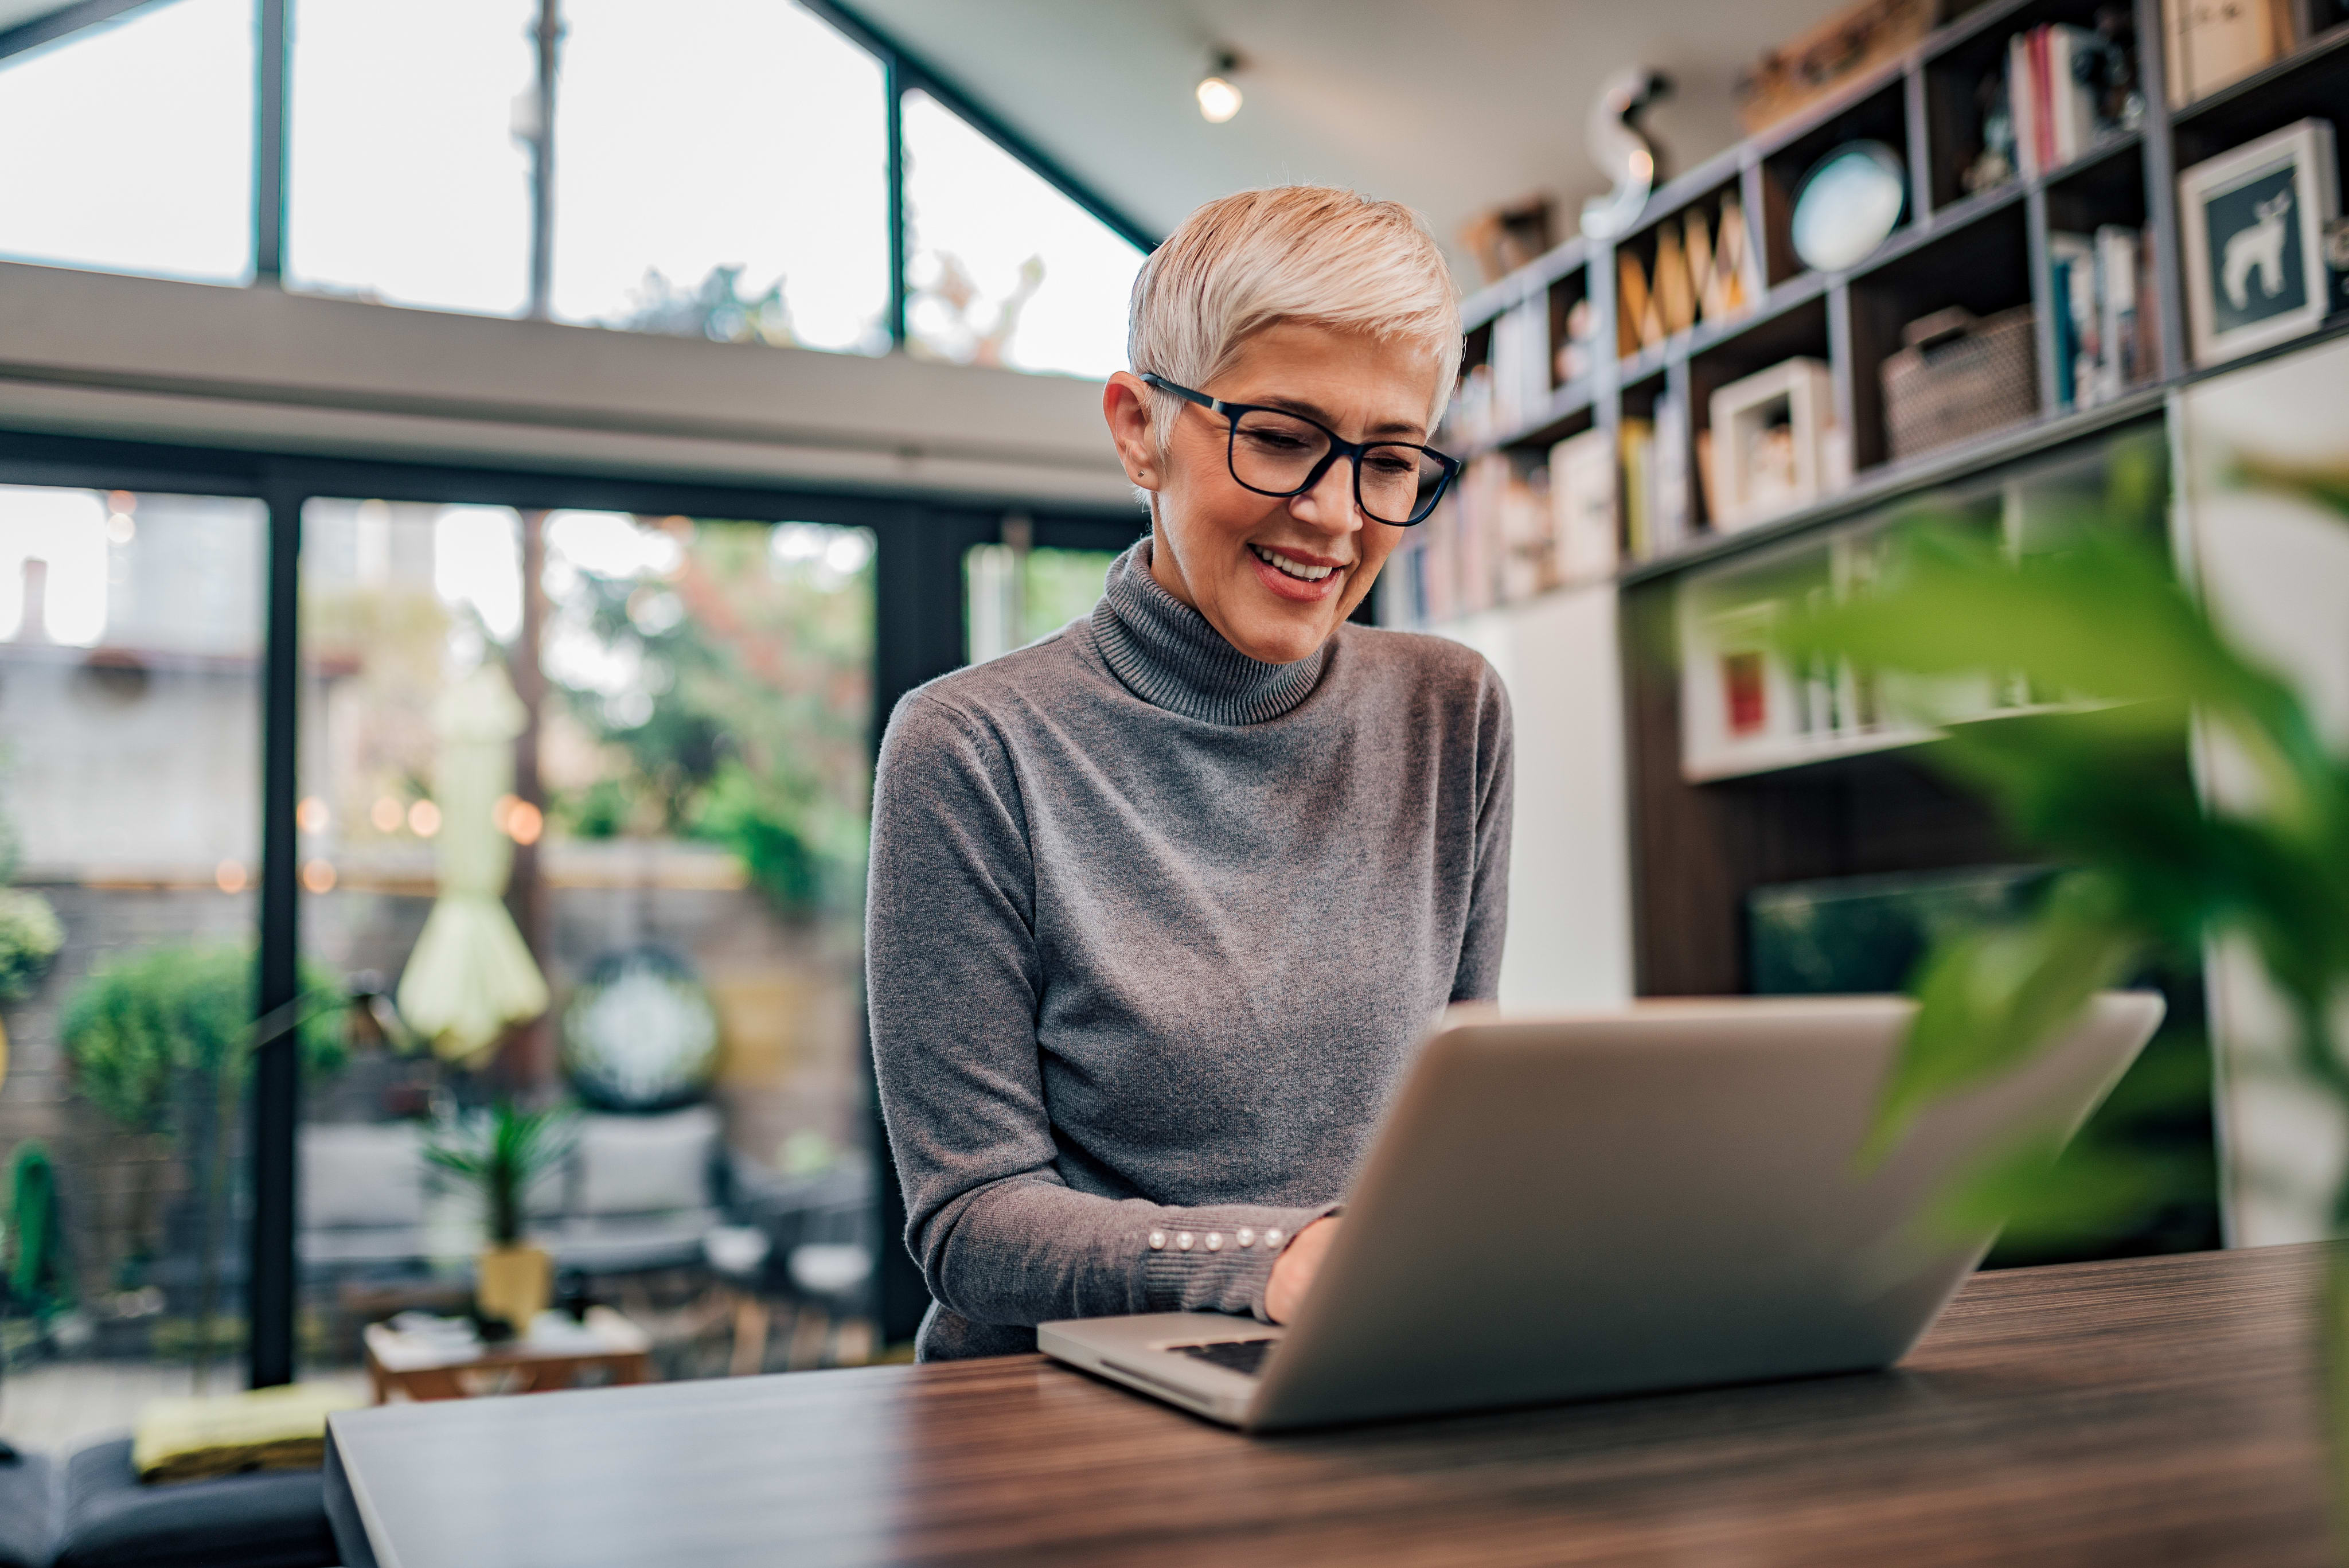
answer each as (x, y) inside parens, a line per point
(2016, 284)
(1747, 708)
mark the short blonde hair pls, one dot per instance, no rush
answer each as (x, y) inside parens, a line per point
(1292, 253)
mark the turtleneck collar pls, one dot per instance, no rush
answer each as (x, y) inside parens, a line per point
(1168, 655)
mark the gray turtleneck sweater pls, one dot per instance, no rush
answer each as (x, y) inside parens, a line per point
(1152, 931)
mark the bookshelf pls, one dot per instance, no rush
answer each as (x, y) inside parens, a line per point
(1818, 783)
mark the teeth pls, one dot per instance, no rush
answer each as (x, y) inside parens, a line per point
(1286, 567)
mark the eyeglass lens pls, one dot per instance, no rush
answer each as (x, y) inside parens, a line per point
(1275, 453)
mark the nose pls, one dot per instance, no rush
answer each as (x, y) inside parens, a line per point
(1330, 504)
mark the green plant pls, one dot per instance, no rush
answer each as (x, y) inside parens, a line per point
(501, 1152)
(30, 936)
(2152, 866)
(137, 1023)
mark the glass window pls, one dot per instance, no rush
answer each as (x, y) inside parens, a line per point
(130, 632)
(684, 871)
(406, 181)
(129, 144)
(1014, 596)
(721, 170)
(1001, 269)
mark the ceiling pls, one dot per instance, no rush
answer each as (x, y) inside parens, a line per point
(1449, 107)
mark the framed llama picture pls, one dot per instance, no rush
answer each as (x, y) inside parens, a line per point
(2253, 222)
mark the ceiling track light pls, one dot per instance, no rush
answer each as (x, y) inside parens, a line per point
(1218, 98)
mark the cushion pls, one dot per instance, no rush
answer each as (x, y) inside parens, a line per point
(28, 1512)
(282, 1429)
(362, 1174)
(644, 1164)
(270, 1519)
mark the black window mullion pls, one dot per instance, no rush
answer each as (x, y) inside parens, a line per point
(271, 22)
(894, 92)
(276, 1068)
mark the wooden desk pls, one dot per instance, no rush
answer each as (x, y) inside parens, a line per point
(2154, 1411)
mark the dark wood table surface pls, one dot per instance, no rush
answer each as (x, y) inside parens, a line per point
(2152, 1411)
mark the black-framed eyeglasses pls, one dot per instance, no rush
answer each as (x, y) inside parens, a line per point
(1276, 452)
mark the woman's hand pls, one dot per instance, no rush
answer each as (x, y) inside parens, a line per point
(1293, 1272)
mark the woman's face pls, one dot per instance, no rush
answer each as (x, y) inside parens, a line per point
(1275, 576)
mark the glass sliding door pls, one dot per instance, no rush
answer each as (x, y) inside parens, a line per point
(130, 636)
(633, 749)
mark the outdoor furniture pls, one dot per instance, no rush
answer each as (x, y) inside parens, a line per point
(28, 1512)
(270, 1518)
(640, 1194)
(552, 1355)
(362, 1194)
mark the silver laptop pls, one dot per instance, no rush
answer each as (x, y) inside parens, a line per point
(1662, 1196)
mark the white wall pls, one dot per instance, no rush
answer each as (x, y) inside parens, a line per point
(1569, 870)
(2275, 572)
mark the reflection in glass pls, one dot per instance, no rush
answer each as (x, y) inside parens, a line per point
(1001, 268)
(129, 145)
(408, 184)
(130, 681)
(722, 171)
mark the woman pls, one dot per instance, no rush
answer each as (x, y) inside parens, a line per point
(1160, 905)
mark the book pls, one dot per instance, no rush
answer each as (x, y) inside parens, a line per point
(2210, 43)
(2053, 110)
(1727, 292)
(2103, 331)
(1630, 303)
(1639, 452)
(2118, 366)
(1582, 499)
(1670, 514)
(1675, 295)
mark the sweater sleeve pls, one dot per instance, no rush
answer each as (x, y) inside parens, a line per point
(1478, 977)
(954, 984)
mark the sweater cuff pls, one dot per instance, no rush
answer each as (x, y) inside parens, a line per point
(1216, 1259)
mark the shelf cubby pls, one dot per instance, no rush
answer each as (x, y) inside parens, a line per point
(1880, 116)
(1984, 267)
(2312, 82)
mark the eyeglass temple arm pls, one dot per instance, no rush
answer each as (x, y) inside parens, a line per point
(1152, 379)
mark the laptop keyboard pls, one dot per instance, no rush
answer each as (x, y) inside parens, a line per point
(1242, 1356)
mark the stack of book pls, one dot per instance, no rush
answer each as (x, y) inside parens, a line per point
(2102, 287)
(1658, 499)
(2050, 76)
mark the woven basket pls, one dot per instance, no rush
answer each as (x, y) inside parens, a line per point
(1960, 376)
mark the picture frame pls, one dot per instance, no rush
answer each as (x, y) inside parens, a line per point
(2251, 224)
(1772, 447)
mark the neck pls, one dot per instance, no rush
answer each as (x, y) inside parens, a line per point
(1166, 652)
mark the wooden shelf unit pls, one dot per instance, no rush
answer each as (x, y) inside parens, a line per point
(1987, 250)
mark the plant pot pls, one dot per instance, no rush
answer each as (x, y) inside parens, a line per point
(513, 1283)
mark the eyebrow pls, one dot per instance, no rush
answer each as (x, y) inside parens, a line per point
(1314, 412)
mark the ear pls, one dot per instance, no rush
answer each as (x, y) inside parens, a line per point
(1125, 404)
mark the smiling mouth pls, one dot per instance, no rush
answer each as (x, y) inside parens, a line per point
(1288, 566)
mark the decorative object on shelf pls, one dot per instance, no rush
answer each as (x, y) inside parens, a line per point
(1622, 149)
(501, 1153)
(1578, 356)
(1956, 376)
(2000, 158)
(2104, 341)
(1582, 500)
(1848, 204)
(1509, 236)
(2209, 43)
(2252, 224)
(1815, 64)
(640, 1034)
(1675, 295)
(1723, 290)
(1770, 443)
(1638, 325)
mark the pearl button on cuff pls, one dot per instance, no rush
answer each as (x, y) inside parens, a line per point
(1246, 1237)
(1272, 1238)
(1215, 1240)
(1183, 1240)
(1158, 1240)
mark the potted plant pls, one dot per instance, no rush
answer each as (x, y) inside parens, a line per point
(501, 1153)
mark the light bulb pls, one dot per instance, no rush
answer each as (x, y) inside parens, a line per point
(1218, 99)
